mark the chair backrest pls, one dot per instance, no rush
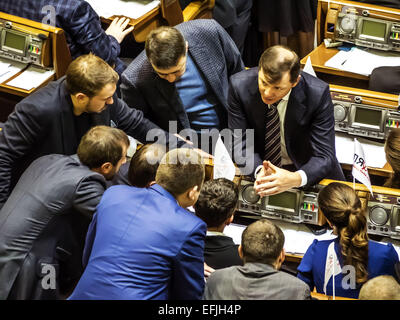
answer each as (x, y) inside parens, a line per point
(171, 11)
(199, 10)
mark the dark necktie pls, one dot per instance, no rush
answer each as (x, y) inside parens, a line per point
(273, 135)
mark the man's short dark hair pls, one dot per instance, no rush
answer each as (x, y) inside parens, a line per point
(144, 164)
(164, 47)
(276, 61)
(179, 170)
(262, 241)
(102, 144)
(89, 74)
(217, 201)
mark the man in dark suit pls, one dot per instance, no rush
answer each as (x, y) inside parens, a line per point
(234, 17)
(216, 206)
(81, 25)
(142, 243)
(183, 76)
(292, 118)
(44, 222)
(259, 278)
(53, 119)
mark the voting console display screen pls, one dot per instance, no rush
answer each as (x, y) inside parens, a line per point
(287, 200)
(373, 29)
(368, 117)
(14, 41)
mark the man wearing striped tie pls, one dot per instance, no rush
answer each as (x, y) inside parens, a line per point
(291, 113)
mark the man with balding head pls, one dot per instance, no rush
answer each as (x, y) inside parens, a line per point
(380, 288)
(259, 278)
(291, 113)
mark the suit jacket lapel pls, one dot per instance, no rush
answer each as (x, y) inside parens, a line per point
(258, 109)
(170, 94)
(67, 122)
(294, 113)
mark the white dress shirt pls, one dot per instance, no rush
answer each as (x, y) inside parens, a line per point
(285, 159)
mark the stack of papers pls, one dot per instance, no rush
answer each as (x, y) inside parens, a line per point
(31, 78)
(9, 68)
(133, 9)
(363, 61)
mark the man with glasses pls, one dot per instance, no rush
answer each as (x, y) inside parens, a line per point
(183, 76)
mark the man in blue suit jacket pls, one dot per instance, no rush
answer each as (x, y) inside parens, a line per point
(142, 243)
(307, 136)
(183, 76)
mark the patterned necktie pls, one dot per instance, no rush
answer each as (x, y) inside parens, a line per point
(273, 135)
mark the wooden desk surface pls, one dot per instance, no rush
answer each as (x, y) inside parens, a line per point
(320, 55)
(142, 25)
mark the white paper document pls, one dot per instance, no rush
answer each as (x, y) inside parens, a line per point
(363, 61)
(223, 164)
(308, 68)
(9, 68)
(374, 151)
(31, 78)
(129, 8)
(297, 236)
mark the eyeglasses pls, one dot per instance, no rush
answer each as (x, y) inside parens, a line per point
(176, 73)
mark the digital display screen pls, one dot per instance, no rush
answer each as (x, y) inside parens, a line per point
(368, 116)
(283, 200)
(373, 29)
(14, 41)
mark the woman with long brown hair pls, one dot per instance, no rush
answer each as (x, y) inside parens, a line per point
(341, 265)
(392, 150)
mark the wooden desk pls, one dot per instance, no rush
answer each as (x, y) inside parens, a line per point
(167, 13)
(56, 56)
(386, 171)
(321, 296)
(320, 55)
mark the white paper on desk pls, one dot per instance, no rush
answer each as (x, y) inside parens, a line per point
(31, 78)
(363, 61)
(308, 68)
(235, 231)
(223, 164)
(298, 241)
(129, 8)
(9, 68)
(374, 151)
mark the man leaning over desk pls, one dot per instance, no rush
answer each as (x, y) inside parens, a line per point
(183, 76)
(291, 113)
(54, 118)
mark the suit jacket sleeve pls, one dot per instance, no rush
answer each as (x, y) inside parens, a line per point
(188, 268)
(135, 124)
(133, 97)
(243, 140)
(86, 31)
(232, 55)
(90, 236)
(24, 127)
(88, 194)
(322, 141)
